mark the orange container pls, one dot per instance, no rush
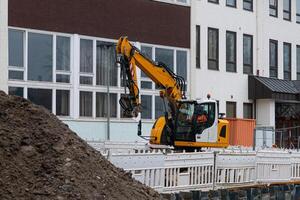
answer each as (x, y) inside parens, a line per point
(241, 132)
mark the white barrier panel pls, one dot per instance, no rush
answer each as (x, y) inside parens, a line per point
(174, 172)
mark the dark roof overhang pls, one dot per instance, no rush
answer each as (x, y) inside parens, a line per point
(272, 88)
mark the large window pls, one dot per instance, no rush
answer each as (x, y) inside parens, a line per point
(42, 97)
(298, 62)
(248, 54)
(63, 59)
(165, 56)
(298, 11)
(248, 110)
(231, 3)
(17, 91)
(230, 109)
(287, 10)
(86, 62)
(16, 48)
(106, 69)
(213, 48)
(62, 102)
(102, 105)
(198, 46)
(248, 5)
(86, 104)
(181, 60)
(146, 101)
(273, 58)
(287, 49)
(273, 4)
(40, 60)
(230, 51)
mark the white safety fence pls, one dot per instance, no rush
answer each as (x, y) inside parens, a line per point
(213, 169)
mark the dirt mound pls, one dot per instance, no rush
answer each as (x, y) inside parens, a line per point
(41, 158)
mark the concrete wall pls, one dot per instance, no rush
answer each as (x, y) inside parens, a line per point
(3, 44)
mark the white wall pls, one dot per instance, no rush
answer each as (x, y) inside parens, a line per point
(223, 86)
(265, 111)
(3, 44)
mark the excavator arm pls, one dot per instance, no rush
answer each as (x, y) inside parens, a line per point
(129, 57)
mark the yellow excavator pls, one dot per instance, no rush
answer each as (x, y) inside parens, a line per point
(186, 124)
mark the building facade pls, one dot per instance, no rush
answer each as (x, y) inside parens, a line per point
(62, 56)
(233, 43)
(3, 44)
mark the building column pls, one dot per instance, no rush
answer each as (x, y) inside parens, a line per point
(4, 45)
(265, 112)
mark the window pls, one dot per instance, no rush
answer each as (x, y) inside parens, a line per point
(40, 63)
(86, 104)
(298, 62)
(230, 109)
(159, 107)
(62, 102)
(298, 11)
(147, 51)
(213, 49)
(146, 106)
(106, 69)
(17, 91)
(102, 104)
(287, 61)
(273, 5)
(181, 64)
(165, 56)
(86, 61)
(213, 1)
(287, 10)
(146, 85)
(16, 48)
(230, 51)
(248, 5)
(248, 111)
(231, 3)
(62, 53)
(15, 75)
(248, 54)
(273, 58)
(198, 46)
(42, 97)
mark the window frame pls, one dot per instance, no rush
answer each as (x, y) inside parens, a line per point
(248, 1)
(273, 7)
(213, 1)
(289, 12)
(235, 52)
(297, 14)
(198, 47)
(252, 54)
(297, 63)
(276, 56)
(217, 50)
(235, 108)
(290, 61)
(231, 6)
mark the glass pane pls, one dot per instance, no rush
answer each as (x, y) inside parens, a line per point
(102, 104)
(198, 59)
(165, 56)
(40, 57)
(231, 3)
(286, 15)
(230, 109)
(17, 91)
(16, 47)
(86, 80)
(86, 56)
(159, 107)
(61, 78)
(273, 54)
(15, 75)
(86, 104)
(146, 85)
(63, 53)
(247, 54)
(287, 57)
(287, 5)
(42, 97)
(248, 111)
(182, 64)
(247, 4)
(106, 60)
(147, 51)
(62, 102)
(146, 106)
(230, 51)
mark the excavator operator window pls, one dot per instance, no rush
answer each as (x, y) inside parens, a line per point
(204, 116)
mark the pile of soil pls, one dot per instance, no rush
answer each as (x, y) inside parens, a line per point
(41, 158)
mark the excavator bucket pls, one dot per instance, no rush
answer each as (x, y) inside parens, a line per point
(129, 110)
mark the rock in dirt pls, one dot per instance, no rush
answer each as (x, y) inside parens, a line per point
(41, 158)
